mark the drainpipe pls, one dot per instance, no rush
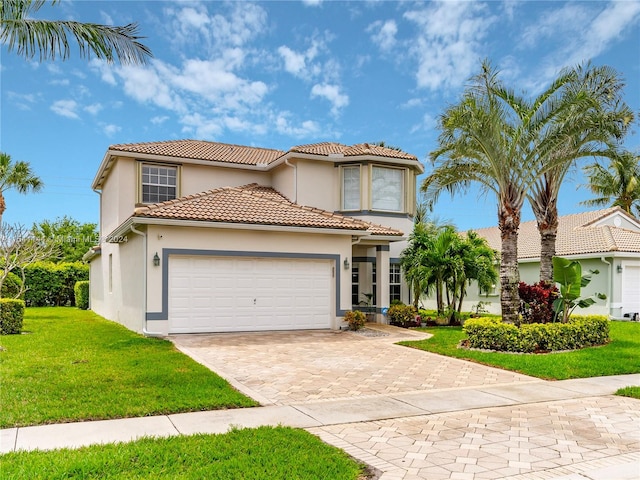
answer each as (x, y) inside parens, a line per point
(609, 286)
(295, 179)
(144, 285)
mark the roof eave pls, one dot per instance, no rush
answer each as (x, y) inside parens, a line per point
(347, 159)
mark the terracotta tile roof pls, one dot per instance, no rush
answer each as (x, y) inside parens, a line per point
(201, 150)
(257, 205)
(578, 234)
(331, 148)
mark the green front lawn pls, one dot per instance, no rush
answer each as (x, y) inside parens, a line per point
(621, 356)
(251, 454)
(72, 365)
(633, 392)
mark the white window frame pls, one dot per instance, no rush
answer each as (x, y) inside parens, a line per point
(393, 276)
(142, 165)
(401, 194)
(343, 195)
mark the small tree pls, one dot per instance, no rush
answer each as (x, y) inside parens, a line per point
(73, 238)
(20, 248)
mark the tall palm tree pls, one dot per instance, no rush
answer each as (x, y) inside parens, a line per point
(581, 117)
(16, 175)
(28, 36)
(482, 140)
(618, 184)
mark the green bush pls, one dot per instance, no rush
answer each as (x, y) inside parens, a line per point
(11, 286)
(356, 319)
(81, 290)
(11, 316)
(52, 284)
(403, 315)
(578, 332)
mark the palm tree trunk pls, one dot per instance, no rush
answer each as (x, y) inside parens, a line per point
(509, 222)
(547, 252)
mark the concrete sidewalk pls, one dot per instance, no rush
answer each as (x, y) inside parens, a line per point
(342, 423)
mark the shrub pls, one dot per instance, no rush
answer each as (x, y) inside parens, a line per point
(11, 316)
(81, 291)
(403, 316)
(356, 319)
(11, 286)
(52, 284)
(537, 302)
(578, 332)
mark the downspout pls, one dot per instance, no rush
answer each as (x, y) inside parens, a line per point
(609, 286)
(144, 285)
(295, 179)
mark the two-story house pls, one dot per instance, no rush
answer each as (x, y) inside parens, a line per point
(209, 237)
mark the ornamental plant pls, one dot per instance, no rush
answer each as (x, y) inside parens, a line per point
(356, 319)
(568, 274)
(536, 302)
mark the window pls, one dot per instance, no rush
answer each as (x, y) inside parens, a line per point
(394, 282)
(159, 184)
(111, 273)
(351, 188)
(387, 189)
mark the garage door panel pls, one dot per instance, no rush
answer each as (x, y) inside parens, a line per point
(223, 294)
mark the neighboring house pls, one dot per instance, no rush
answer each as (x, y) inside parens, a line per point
(605, 240)
(209, 237)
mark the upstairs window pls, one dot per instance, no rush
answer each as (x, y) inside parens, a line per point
(351, 188)
(159, 183)
(387, 189)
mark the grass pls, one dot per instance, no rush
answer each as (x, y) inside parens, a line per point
(262, 453)
(633, 392)
(621, 356)
(72, 365)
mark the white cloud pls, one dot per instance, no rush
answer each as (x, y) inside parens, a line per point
(302, 65)
(312, 3)
(110, 129)
(449, 45)
(294, 62)
(93, 109)
(24, 101)
(383, 34)
(159, 120)
(106, 18)
(105, 70)
(285, 126)
(332, 93)
(64, 82)
(65, 108)
(583, 32)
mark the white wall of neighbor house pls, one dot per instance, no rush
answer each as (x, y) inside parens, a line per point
(530, 273)
(240, 240)
(117, 283)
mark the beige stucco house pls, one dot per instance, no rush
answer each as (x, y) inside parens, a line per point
(606, 240)
(210, 237)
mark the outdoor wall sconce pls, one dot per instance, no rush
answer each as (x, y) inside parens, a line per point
(156, 260)
(619, 269)
(346, 264)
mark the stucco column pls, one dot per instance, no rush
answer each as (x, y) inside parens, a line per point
(382, 281)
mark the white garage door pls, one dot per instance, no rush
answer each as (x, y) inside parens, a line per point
(631, 289)
(235, 294)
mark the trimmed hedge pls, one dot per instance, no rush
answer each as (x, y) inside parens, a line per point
(578, 332)
(81, 290)
(11, 316)
(52, 284)
(11, 286)
(403, 315)
(356, 319)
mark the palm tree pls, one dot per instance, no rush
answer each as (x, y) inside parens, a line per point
(28, 36)
(482, 140)
(578, 118)
(16, 175)
(618, 184)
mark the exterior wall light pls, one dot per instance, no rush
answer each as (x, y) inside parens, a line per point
(156, 260)
(619, 269)
(346, 264)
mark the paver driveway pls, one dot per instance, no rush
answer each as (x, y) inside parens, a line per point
(285, 368)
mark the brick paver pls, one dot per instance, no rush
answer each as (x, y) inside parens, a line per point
(534, 441)
(294, 367)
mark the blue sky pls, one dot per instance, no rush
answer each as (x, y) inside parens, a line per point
(279, 74)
